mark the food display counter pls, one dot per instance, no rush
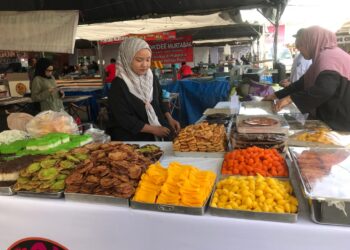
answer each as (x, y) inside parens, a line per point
(78, 225)
(197, 153)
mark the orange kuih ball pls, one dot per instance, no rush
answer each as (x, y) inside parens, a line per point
(254, 160)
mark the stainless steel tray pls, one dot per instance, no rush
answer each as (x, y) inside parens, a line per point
(242, 214)
(200, 154)
(321, 213)
(6, 191)
(168, 208)
(251, 215)
(56, 195)
(5, 188)
(93, 198)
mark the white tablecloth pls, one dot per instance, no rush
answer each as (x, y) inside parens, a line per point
(85, 226)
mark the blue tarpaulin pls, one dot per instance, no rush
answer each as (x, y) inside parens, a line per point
(196, 96)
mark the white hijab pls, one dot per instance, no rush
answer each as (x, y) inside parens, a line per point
(139, 86)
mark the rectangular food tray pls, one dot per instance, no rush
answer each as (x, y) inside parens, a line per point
(251, 215)
(48, 195)
(93, 198)
(321, 213)
(288, 162)
(5, 188)
(168, 208)
(7, 191)
(200, 154)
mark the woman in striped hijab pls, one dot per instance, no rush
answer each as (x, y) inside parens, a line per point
(137, 112)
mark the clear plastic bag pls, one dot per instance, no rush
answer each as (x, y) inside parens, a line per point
(49, 122)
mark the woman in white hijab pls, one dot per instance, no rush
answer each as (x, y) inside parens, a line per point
(137, 112)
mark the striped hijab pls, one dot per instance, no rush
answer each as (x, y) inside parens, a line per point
(140, 86)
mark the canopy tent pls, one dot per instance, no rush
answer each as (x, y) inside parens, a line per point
(96, 11)
(223, 32)
(104, 31)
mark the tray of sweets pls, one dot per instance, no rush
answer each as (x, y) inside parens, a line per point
(253, 161)
(93, 198)
(324, 174)
(201, 140)
(160, 189)
(273, 206)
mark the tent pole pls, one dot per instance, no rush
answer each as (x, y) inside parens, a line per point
(100, 59)
(275, 39)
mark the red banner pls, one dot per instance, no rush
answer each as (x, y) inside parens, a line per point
(159, 36)
(271, 34)
(172, 51)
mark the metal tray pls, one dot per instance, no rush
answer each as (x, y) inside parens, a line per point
(48, 195)
(242, 214)
(5, 188)
(200, 154)
(93, 198)
(251, 215)
(168, 208)
(321, 213)
(211, 111)
(286, 178)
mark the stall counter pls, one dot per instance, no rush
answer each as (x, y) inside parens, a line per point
(86, 226)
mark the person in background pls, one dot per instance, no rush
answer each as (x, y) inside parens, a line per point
(110, 71)
(93, 67)
(66, 69)
(44, 88)
(31, 70)
(245, 60)
(299, 67)
(185, 70)
(324, 90)
(137, 112)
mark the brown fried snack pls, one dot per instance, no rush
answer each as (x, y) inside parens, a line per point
(112, 169)
(201, 137)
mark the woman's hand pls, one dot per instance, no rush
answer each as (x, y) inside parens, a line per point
(160, 131)
(280, 104)
(270, 97)
(175, 125)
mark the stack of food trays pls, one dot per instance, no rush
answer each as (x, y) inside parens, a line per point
(201, 140)
(254, 184)
(325, 178)
(17, 155)
(179, 188)
(265, 131)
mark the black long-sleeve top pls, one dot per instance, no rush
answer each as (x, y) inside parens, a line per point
(329, 97)
(127, 113)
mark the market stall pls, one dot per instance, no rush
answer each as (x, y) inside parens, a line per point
(287, 224)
